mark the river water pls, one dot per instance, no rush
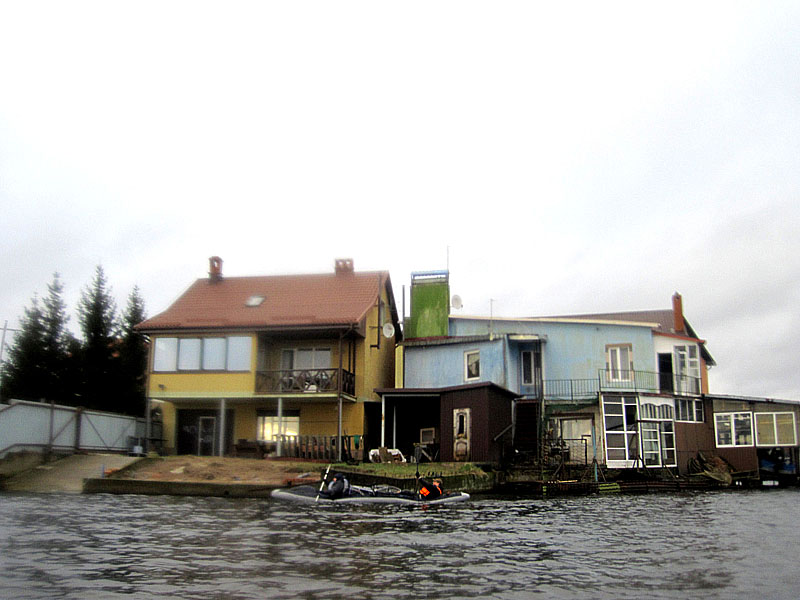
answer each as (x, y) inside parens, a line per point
(696, 545)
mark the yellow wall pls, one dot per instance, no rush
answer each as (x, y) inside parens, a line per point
(200, 382)
(375, 366)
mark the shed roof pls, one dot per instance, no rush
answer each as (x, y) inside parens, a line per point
(275, 301)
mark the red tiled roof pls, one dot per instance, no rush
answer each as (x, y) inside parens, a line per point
(289, 301)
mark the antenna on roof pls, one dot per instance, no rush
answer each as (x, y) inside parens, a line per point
(456, 302)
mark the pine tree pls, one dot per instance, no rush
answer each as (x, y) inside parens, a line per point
(100, 352)
(133, 357)
(24, 374)
(56, 343)
(39, 364)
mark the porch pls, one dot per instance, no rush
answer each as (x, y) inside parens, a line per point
(305, 381)
(633, 381)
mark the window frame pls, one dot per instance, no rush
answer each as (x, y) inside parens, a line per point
(774, 416)
(622, 374)
(730, 420)
(167, 356)
(467, 355)
(693, 409)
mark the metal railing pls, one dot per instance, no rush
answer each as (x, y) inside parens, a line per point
(575, 390)
(305, 381)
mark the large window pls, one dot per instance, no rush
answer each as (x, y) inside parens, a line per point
(658, 432)
(733, 429)
(687, 368)
(619, 362)
(472, 365)
(620, 417)
(689, 410)
(270, 426)
(230, 353)
(775, 429)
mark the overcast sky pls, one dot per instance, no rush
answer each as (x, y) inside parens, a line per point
(567, 157)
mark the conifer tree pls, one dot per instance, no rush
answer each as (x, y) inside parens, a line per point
(23, 371)
(39, 364)
(100, 353)
(133, 357)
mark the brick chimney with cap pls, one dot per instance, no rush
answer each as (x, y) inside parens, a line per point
(344, 266)
(677, 312)
(215, 269)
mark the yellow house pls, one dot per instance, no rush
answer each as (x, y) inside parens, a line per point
(281, 364)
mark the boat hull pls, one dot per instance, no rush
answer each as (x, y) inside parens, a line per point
(309, 494)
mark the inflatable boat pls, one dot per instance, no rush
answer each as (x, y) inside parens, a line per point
(364, 495)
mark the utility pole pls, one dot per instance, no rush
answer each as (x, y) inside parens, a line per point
(3, 340)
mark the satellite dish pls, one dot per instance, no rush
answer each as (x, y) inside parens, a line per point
(388, 330)
(456, 302)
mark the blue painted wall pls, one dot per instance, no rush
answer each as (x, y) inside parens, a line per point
(443, 365)
(570, 351)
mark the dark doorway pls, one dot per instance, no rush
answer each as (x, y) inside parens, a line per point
(198, 432)
(372, 427)
(665, 379)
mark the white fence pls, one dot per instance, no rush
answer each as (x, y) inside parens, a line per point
(44, 427)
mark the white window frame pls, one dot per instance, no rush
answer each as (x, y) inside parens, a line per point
(629, 431)
(467, 356)
(774, 417)
(730, 419)
(692, 411)
(173, 354)
(615, 370)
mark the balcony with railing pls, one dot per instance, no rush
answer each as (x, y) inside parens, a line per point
(305, 381)
(632, 381)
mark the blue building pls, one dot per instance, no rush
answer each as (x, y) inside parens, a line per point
(622, 389)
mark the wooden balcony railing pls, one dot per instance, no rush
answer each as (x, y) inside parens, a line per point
(307, 381)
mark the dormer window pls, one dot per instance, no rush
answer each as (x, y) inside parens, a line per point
(254, 301)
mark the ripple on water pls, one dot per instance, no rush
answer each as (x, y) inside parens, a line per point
(705, 545)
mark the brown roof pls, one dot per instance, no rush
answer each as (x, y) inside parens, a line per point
(325, 300)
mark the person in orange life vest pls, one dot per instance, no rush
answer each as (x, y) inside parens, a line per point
(430, 490)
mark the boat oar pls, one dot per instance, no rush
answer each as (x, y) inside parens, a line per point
(322, 485)
(417, 455)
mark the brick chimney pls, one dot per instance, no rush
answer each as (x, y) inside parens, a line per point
(344, 266)
(677, 312)
(215, 269)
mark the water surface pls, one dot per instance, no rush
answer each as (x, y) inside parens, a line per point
(699, 545)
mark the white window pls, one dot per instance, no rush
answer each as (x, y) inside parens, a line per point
(775, 429)
(269, 426)
(620, 416)
(166, 354)
(733, 429)
(189, 354)
(214, 354)
(239, 348)
(689, 410)
(305, 359)
(472, 365)
(209, 354)
(619, 362)
(687, 368)
(657, 432)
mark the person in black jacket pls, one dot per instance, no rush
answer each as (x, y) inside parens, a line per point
(430, 490)
(339, 487)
